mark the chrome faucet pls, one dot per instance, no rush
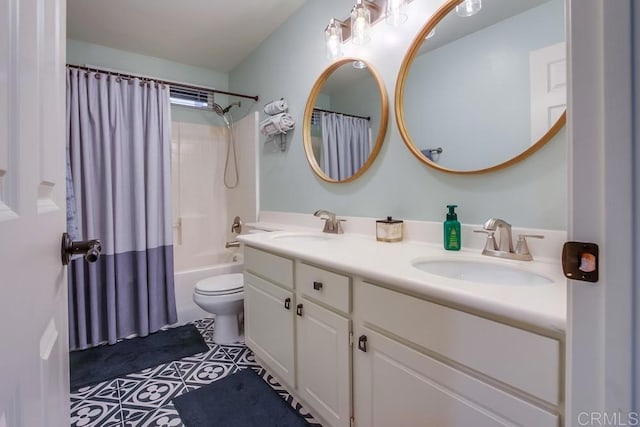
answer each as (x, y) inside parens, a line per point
(331, 223)
(504, 247)
(495, 224)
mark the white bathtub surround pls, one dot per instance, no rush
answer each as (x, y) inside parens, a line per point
(549, 248)
(541, 306)
(203, 208)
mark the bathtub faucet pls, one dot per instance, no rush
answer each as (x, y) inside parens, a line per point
(234, 244)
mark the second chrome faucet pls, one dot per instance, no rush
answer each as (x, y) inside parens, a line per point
(331, 223)
(503, 247)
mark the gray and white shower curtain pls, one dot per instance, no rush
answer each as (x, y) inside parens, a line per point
(345, 143)
(119, 153)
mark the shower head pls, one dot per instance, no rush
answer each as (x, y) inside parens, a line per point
(217, 108)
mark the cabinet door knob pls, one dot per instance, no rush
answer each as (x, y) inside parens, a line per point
(299, 310)
(287, 303)
(317, 285)
(362, 343)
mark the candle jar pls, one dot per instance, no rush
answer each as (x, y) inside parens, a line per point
(389, 230)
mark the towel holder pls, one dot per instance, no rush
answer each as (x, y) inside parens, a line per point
(279, 141)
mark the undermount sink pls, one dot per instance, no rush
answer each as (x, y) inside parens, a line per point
(301, 237)
(480, 272)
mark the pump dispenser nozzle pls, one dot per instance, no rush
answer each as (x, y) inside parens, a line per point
(452, 212)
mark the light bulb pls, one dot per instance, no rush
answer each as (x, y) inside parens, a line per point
(396, 12)
(360, 65)
(333, 40)
(469, 7)
(360, 23)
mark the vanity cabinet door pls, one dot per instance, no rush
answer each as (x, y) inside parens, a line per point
(269, 316)
(324, 361)
(395, 385)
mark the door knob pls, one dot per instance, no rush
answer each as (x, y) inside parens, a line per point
(90, 248)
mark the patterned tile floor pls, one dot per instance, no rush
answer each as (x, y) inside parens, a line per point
(144, 398)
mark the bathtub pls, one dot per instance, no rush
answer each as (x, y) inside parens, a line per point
(185, 282)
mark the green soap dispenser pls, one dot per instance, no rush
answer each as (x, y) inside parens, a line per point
(452, 236)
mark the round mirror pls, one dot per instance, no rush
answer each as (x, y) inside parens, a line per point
(481, 89)
(345, 120)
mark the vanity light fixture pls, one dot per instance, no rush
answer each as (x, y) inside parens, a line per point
(358, 27)
(360, 23)
(469, 7)
(396, 12)
(333, 38)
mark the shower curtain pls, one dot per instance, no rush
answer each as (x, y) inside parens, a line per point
(345, 142)
(119, 153)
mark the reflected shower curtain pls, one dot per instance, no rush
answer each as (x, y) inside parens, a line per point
(119, 153)
(345, 143)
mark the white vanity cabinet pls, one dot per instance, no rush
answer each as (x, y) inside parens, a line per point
(356, 352)
(420, 363)
(305, 323)
(323, 342)
(269, 307)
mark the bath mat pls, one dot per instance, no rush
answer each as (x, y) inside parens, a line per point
(242, 399)
(106, 362)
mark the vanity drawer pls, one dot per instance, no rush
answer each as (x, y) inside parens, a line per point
(269, 266)
(325, 286)
(521, 359)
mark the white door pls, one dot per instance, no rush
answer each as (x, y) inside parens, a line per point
(395, 385)
(599, 324)
(324, 362)
(34, 385)
(548, 87)
(268, 317)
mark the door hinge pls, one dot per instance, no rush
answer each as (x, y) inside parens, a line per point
(352, 422)
(350, 339)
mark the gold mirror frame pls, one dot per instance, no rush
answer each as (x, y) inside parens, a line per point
(399, 107)
(308, 111)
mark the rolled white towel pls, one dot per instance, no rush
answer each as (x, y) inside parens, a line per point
(276, 107)
(280, 123)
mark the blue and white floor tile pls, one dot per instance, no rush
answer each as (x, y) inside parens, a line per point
(143, 399)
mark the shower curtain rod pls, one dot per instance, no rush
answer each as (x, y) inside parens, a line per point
(167, 82)
(344, 114)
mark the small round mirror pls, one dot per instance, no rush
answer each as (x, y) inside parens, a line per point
(345, 120)
(483, 88)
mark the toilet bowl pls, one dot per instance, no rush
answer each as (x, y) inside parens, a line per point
(223, 297)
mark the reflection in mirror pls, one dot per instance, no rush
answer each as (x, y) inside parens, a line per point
(345, 120)
(484, 91)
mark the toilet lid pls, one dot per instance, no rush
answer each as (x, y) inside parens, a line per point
(222, 284)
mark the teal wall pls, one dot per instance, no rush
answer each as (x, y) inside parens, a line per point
(82, 53)
(532, 193)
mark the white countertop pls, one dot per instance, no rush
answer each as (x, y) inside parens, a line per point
(542, 306)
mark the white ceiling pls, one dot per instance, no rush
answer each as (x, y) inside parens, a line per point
(215, 34)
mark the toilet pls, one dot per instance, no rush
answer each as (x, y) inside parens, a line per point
(223, 296)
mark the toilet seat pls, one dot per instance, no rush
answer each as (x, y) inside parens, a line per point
(225, 284)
